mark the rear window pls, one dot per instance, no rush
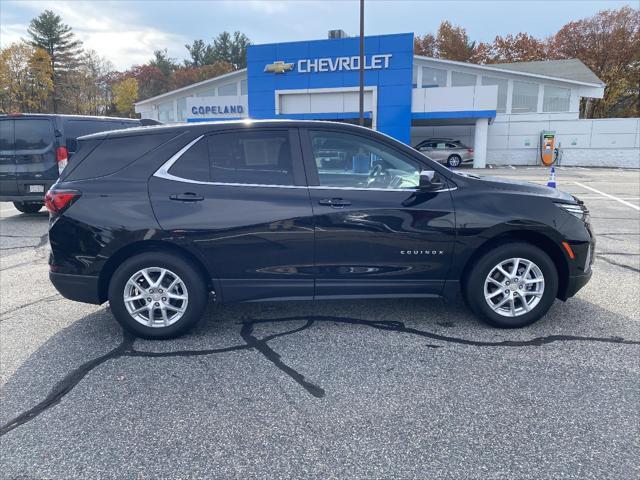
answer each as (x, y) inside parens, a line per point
(6, 135)
(33, 134)
(113, 154)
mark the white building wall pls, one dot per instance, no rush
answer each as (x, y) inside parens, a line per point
(515, 139)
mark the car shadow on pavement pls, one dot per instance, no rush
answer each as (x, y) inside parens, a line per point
(63, 361)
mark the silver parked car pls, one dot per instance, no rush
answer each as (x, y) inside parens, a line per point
(451, 152)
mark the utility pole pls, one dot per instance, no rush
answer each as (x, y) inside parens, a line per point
(361, 63)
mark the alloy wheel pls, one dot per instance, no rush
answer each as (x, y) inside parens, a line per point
(155, 297)
(514, 287)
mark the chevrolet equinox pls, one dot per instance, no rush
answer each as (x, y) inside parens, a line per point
(155, 219)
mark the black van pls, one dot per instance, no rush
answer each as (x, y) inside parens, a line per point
(34, 148)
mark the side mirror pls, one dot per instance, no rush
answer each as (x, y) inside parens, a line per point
(430, 180)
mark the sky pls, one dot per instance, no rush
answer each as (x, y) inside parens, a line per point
(127, 32)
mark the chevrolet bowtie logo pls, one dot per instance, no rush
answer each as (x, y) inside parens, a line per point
(278, 67)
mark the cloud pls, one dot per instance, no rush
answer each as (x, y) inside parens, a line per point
(106, 27)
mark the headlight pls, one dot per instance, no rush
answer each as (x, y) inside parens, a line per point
(578, 211)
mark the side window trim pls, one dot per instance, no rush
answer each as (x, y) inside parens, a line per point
(298, 172)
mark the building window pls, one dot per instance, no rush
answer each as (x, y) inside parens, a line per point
(459, 79)
(243, 87)
(503, 85)
(433, 77)
(182, 109)
(165, 112)
(525, 97)
(415, 77)
(556, 99)
(207, 93)
(228, 90)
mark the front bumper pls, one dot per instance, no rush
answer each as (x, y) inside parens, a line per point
(576, 282)
(79, 288)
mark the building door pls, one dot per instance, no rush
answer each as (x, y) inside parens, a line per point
(375, 233)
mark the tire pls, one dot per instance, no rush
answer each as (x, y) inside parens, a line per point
(191, 288)
(478, 285)
(454, 161)
(25, 207)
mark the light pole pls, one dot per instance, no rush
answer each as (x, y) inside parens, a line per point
(361, 65)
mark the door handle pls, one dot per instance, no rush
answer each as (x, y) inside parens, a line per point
(334, 202)
(187, 197)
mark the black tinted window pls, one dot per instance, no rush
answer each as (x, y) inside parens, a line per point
(255, 157)
(33, 134)
(6, 135)
(113, 154)
(194, 163)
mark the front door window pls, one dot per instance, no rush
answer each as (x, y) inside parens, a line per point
(352, 161)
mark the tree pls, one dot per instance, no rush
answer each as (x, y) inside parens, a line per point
(521, 47)
(453, 43)
(239, 50)
(151, 81)
(25, 78)
(125, 93)
(189, 75)
(49, 33)
(222, 47)
(609, 44)
(163, 62)
(199, 52)
(425, 45)
(450, 42)
(231, 49)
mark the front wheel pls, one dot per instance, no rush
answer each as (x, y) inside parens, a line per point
(512, 285)
(157, 295)
(30, 207)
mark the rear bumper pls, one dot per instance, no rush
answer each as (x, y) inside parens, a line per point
(39, 198)
(79, 288)
(18, 191)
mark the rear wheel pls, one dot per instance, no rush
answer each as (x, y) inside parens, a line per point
(157, 295)
(28, 207)
(512, 286)
(454, 161)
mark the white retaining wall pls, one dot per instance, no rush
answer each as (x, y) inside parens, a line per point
(515, 139)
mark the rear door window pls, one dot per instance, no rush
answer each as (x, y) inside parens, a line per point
(33, 134)
(251, 157)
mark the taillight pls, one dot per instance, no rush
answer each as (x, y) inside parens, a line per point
(470, 150)
(62, 156)
(57, 201)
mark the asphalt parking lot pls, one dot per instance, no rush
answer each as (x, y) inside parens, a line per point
(349, 389)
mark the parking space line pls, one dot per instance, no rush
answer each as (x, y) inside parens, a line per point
(635, 207)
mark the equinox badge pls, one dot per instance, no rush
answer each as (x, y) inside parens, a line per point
(421, 252)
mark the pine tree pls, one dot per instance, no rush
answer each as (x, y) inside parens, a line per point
(56, 38)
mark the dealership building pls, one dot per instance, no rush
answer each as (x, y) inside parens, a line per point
(500, 110)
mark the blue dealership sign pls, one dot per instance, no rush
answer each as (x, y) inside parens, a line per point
(316, 71)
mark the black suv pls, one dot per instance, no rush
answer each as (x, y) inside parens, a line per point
(155, 219)
(34, 148)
